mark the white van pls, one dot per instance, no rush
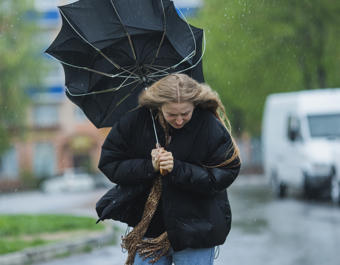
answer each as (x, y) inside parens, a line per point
(301, 142)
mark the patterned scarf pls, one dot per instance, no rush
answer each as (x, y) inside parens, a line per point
(153, 248)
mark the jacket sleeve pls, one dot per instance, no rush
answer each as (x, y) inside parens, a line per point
(206, 179)
(117, 159)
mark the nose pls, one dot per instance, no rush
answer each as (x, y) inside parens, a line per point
(179, 121)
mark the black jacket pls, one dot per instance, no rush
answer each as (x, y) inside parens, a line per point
(194, 207)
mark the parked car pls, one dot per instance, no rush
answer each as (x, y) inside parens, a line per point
(69, 181)
(301, 142)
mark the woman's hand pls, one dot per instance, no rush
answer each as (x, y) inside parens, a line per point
(162, 160)
(155, 155)
(166, 162)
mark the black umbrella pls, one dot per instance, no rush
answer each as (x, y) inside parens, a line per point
(113, 49)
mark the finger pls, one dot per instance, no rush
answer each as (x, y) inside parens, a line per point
(166, 161)
(155, 150)
(166, 158)
(168, 168)
(162, 158)
(165, 164)
(166, 154)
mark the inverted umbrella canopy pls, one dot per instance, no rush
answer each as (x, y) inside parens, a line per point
(113, 49)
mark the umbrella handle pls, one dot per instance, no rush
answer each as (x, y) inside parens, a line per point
(162, 171)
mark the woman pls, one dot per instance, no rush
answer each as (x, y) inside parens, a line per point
(181, 211)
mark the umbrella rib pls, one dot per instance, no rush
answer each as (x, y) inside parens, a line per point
(155, 68)
(102, 91)
(163, 35)
(94, 47)
(154, 74)
(153, 79)
(105, 90)
(200, 59)
(92, 70)
(120, 102)
(193, 53)
(190, 55)
(126, 32)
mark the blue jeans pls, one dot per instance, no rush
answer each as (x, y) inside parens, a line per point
(202, 256)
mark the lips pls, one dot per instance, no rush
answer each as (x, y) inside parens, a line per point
(177, 126)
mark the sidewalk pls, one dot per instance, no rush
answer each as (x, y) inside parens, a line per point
(109, 255)
(64, 248)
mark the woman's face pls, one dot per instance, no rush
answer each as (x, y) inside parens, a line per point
(177, 114)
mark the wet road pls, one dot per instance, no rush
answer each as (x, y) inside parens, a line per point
(265, 231)
(37, 202)
(280, 232)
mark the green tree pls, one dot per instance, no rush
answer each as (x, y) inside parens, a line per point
(258, 47)
(20, 65)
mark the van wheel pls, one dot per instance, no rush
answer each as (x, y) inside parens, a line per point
(308, 192)
(279, 188)
(335, 190)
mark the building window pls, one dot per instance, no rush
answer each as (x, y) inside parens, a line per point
(9, 167)
(44, 160)
(45, 115)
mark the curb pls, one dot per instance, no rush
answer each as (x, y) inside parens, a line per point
(48, 252)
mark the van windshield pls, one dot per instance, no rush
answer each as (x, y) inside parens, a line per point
(326, 125)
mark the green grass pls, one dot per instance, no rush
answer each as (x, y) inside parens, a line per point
(12, 245)
(21, 231)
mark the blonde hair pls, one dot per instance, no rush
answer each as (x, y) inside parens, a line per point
(177, 88)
